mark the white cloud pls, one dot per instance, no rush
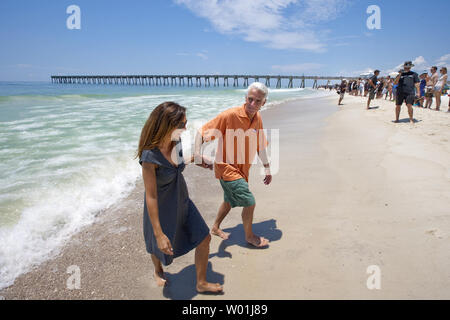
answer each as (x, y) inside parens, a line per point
(279, 24)
(419, 64)
(297, 68)
(365, 71)
(443, 61)
(356, 73)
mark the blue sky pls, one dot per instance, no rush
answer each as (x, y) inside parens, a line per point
(311, 37)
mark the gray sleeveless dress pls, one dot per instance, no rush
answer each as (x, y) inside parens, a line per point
(180, 219)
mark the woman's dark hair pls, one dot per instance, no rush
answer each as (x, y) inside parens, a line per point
(163, 119)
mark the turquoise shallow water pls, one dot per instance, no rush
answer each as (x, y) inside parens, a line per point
(67, 152)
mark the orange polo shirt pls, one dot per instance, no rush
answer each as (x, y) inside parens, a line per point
(239, 139)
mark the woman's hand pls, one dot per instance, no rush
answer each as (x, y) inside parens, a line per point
(164, 244)
(267, 179)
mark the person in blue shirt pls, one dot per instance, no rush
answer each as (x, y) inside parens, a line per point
(423, 84)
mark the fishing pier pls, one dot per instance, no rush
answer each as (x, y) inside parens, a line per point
(194, 80)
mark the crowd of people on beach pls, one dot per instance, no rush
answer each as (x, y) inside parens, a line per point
(403, 86)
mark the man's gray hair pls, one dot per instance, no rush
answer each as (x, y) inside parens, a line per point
(258, 86)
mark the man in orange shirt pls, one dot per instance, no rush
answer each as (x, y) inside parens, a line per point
(233, 160)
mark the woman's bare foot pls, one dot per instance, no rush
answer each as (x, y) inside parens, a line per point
(257, 241)
(220, 233)
(209, 287)
(160, 278)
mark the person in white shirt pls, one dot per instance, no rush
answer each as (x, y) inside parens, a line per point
(439, 86)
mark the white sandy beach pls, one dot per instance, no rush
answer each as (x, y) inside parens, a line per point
(354, 189)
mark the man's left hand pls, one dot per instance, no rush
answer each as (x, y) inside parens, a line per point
(268, 179)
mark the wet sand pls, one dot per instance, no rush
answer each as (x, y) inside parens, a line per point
(353, 190)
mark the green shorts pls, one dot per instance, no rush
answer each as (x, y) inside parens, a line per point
(236, 193)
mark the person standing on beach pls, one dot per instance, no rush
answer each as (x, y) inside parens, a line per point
(394, 89)
(361, 87)
(423, 83)
(233, 161)
(440, 86)
(386, 90)
(448, 101)
(341, 92)
(431, 82)
(408, 90)
(366, 87)
(391, 88)
(172, 224)
(379, 90)
(355, 88)
(372, 87)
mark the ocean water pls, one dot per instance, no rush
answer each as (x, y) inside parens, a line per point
(67, 153)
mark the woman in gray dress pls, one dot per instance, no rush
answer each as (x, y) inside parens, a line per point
(172, 224)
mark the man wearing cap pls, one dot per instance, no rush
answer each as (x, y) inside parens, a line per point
(408, 90)
(372, 87)
(233, 160)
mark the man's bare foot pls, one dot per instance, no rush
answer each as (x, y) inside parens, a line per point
(411, 121)
(160, 279)
(257, 241)
(396, 121)
(220, 233)
(209, 287)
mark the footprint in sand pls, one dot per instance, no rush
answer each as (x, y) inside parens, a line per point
(435, 232)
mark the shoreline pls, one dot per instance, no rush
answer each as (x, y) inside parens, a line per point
(325, 214)
(119, 220)
(66, 216)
